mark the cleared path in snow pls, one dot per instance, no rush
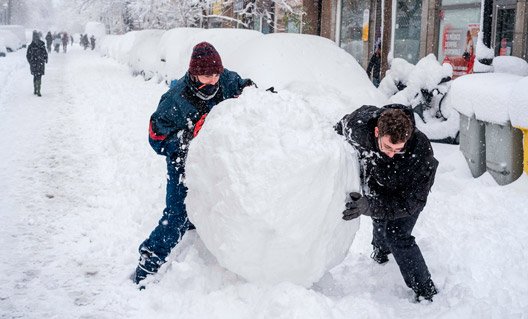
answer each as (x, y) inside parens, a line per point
(60, 173)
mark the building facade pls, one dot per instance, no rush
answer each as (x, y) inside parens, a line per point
(446, 28)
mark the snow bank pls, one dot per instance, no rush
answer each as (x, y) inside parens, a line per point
(10, 40)
(488, 96)
(511, 65)
(97, 29)
(268, 178)
(19, 32)
(518, 103)
(285, 61)
(174, 49)
(144, 56)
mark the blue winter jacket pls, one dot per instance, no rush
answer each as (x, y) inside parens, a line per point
(172, 125)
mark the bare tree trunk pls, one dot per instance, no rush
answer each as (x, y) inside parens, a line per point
(387, 34)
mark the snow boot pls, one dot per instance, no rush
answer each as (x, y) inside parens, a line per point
(426, 292)
(380, 256)
(149, 264)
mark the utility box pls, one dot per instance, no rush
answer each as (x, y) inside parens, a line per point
(473, 144)
(504, 155)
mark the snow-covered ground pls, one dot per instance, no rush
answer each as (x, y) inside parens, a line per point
(80, 188)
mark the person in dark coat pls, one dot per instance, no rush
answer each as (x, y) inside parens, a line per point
(92, 42)
(397, 172)
(37, 57)
(49, 39)
(65, 40)
(374, 66)
(178, 119)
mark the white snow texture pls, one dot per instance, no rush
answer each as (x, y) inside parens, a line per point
(259, 175)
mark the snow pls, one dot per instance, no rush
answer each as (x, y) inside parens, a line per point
(97, 29)
(10, 40)
(284, 61)
(518, 104)
(81, 188)
(511, 65)
(490, 97)
(268, 162)
(425, 75)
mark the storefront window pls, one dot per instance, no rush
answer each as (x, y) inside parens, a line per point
(459, 28)
(407, 32)
(352, 27)
(504, 31)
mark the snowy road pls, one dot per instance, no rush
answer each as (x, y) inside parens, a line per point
(80, 188)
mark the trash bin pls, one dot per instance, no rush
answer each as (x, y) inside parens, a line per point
(504, 152)
(473, 144)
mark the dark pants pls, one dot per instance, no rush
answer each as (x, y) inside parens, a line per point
(394, 236)
(172, 225)
(37, 82)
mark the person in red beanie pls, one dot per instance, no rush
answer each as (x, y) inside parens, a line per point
(179, 117)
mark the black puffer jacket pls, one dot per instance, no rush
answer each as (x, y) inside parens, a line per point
(395, 187)
(37, 57)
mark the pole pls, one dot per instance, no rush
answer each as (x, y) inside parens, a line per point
(386, 36)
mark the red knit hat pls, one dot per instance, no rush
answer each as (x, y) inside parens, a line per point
(205, 60)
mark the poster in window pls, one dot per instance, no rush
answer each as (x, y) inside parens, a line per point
(458, 48)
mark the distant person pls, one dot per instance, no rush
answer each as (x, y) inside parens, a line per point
(374, 66)
(49, 40)
(84, 41)
(65, 39)
(56, 43)
(71, 39)
(92, 42)
(397, 172)
(37, 57)
(177, 120)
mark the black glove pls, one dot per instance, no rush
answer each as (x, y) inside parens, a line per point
(357, 207)
(271, 89)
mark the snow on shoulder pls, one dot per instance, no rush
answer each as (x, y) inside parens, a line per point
(267, 182)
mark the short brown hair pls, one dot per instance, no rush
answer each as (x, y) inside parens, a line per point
(396, 124)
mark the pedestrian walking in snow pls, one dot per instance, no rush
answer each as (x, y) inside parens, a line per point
(178, 119)
(374, 66)
(397, 172)
(49, 39)
(56, 43)
(92, 42)
(37, 57)
(65, 40)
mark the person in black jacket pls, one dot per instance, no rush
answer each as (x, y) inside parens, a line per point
(397, 172)
(374, 66)
(37, 56)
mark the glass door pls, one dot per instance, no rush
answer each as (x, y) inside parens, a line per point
(504, 29)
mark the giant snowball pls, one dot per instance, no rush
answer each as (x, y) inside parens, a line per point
(268, 179)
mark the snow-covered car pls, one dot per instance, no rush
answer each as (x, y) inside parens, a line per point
(18, 31)
(10, 41)
(144, 56)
